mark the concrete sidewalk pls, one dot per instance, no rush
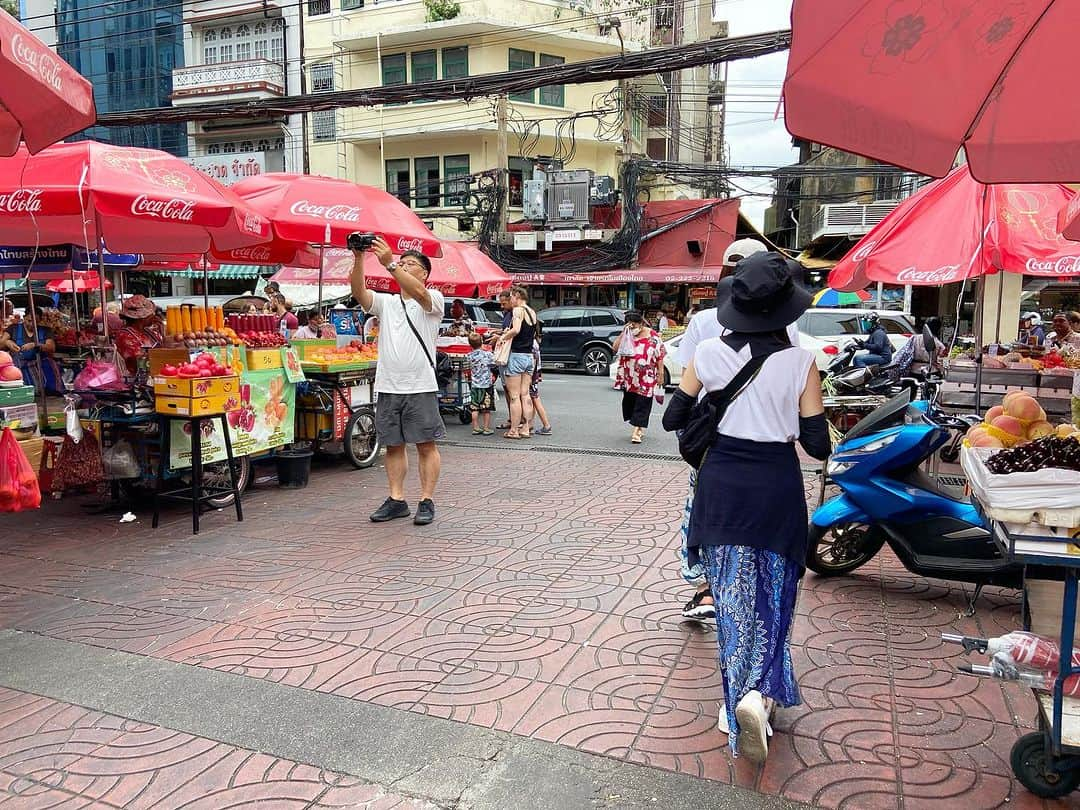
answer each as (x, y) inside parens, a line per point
(526, 650)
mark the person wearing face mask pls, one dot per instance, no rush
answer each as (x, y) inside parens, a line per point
(641, 368)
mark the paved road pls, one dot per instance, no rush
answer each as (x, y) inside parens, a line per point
(584, 413)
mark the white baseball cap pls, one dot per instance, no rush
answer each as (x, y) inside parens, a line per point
(740, 249)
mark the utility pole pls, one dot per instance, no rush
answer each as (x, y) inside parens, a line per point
(503, 157)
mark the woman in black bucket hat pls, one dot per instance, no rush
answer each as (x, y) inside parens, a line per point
(748, 524)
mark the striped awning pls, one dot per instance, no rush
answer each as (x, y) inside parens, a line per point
(225, 271)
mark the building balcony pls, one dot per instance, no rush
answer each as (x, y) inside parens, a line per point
(228, 81)
(849, 219)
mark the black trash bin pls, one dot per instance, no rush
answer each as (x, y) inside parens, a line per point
(293, 467)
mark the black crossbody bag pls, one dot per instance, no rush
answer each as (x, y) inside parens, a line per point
(441, 365)
(699, 435)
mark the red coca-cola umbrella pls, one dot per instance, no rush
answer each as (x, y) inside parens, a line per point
(323, 211)
(81, 281)
(464, 271)
(42, 98)
(910, 82)
(956, 229)
(121, 199)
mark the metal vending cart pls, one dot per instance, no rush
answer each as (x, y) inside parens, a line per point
(1047, 761)
(337, 405)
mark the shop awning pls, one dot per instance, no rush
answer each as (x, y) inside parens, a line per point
(642, 275)
(224, 271)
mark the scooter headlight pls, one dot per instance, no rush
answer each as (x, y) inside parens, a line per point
(835, 468)
(871, 447)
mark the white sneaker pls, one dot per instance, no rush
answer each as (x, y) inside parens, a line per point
(753, 727)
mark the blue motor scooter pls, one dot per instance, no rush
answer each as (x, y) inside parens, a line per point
(887, 497)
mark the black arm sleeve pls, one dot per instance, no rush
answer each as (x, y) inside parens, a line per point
(813, 436)
(677, 413)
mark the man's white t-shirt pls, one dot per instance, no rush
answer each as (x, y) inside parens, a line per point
(403, 366)
(704, 326)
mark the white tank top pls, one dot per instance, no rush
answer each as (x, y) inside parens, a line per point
(768, 409)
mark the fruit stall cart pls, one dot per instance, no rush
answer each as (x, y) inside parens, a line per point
(1030, 497)
(455, 393)
(336, 402)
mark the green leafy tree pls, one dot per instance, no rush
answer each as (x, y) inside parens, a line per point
(11, 7)
(438, 10)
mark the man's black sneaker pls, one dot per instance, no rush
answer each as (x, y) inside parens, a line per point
(390, 510)
(425, 512)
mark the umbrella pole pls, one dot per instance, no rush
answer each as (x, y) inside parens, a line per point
(34, 339)
(205, 285)
(101, 277)
(75, 307)
(978, 345)
(318, 304)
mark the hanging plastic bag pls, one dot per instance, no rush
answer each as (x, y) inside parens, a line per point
(103, 372)
(120, 461)
(72, 424)
(19, 488)
(626, 344)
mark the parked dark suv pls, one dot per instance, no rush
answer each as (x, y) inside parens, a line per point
(579, 337)
(480, 311)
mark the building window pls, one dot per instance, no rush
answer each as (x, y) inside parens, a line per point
(657, 111)
(664, 15)
(656, 148)
(519, 170)
(425, 66)
(317, 7)
(247, 146)
(323, 122)
(455, 62)
(394, 70)
(350, 5)
(226, 36)
(210, 48)
(279, 143)
(262, 41)
(553, 95)
(427, 182)
(244, 43)
(277, 41)
(263, 145)
(455, 166)
(522, 60)
(397, 179)
(229, 148)
(213, 149)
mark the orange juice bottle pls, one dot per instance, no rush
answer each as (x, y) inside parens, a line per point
(185, 318)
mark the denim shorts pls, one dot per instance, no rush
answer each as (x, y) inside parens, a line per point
(520, 363)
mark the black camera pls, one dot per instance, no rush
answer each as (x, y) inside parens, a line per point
(360, 241)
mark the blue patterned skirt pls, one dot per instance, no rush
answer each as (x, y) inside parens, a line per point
(755, 593)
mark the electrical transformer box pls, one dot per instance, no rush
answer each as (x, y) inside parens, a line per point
(568, 197)
(602, 191)
(533, 203)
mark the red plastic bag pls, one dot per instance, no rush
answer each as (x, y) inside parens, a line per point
(19, 488)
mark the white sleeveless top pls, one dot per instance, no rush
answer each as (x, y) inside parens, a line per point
(768, 409)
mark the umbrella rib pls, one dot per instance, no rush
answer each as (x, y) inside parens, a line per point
(996, 86)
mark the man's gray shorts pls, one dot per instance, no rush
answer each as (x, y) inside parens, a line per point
(408, 419)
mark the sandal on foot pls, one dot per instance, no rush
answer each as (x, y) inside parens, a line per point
(488, 432)
(503, 426)
(477, 432)
(697, 608)
(512, 435)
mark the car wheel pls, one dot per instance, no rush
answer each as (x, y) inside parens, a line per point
(595, 361)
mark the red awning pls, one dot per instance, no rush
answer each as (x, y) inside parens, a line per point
(691, 251)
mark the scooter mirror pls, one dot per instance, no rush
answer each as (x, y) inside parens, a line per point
(929, 341)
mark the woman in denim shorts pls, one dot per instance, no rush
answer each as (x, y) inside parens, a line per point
(519, 368)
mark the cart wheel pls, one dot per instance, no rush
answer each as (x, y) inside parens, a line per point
(361, 444)
(1033, 766)
(217, 475)
(464, 416)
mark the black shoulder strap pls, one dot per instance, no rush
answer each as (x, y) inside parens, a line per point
(420, 340)
(723, 398)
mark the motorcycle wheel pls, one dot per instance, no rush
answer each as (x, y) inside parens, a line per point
(842, 548)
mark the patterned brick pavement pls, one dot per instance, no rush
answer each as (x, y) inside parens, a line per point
(543, 602)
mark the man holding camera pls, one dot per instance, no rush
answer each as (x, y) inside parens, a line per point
(407, 410)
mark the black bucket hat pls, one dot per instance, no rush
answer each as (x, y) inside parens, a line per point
(761, 296)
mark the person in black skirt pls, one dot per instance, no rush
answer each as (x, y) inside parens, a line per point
(640, 374)
(748, 526)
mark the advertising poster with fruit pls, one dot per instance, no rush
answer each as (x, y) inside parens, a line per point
(264, 420)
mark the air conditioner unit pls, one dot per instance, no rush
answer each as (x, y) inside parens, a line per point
(568, 197)
(720, 29)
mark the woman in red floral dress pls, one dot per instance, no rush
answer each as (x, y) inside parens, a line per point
(640, 374)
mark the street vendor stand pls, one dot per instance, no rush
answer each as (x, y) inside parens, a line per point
(1032, 517)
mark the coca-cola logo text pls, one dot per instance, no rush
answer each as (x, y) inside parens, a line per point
(175, 210)
(39, 61)
(21, 201)
(404, 244)
(1061, 266)
(941, 275)
(337, 213)
(864, 251)
(253, 223)
(259, 253)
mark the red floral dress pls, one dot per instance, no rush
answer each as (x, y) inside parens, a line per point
(637, 373)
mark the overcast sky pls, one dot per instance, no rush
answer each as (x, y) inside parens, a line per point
(754, 85)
